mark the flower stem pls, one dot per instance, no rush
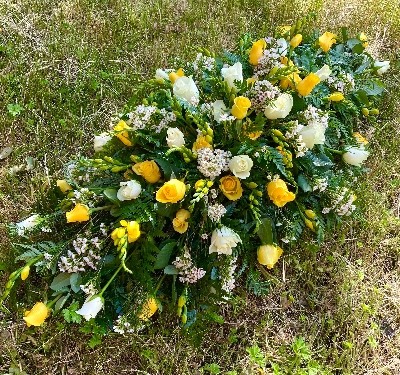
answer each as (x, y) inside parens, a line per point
(52, 302)
(339, 152)
(100, 208)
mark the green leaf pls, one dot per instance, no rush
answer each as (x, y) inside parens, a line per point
(265, 232)
(61, 281)
(303, 183)
(76, 281)
(164, 255)
(111, 195)
(170, 270)
(60, 303)
(256, 355)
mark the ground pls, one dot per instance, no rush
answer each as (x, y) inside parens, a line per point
(67, 66)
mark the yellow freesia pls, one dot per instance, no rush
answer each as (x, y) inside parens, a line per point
(326, 40)
(121, 133)
(256, 51)
(296, 40)
(37, 315)
(278, 192)
(64, 186)
(149, 308)
(307, 84)
(173, 76)
(336, 97)
(78, 214)
(25, 273)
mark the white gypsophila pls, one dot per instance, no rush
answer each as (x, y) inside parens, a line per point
(324, 72)
(175, 138)
(187, 271)
(215, 212)
(161, 74)
(320, 184)
(223, 240)
(121, 326)
(219, 109)
(185, 88)
(240, 166)
(91, 307)
(211, 163)
(342, 203)
(355, 156)
(141, 117)
(89, 289)
(228, 276)
(203, 62)
(167, 118)
(383, 66)
(280, 107)
(261, 93)
(27, 224)
(100, 141)
(129, 190)
(232, 73)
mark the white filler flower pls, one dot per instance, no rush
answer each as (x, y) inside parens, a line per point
(280, 107)
(129, 190)
(91, 307)
(185, 88)
(175, 138)
(223, 240)
(232, 73)
(100, 141)
(240, 166)
(355, 156)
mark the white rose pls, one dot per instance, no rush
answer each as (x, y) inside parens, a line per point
(219, 109)
(27, 224)
(355, 156)
(161, 75)
(223, 240)
(282, 46)
(240, 166)
(175, 138)
(185, 88)
(232, 73)
(129, 190)
(280, 107)
(324, 72)
(313, 134)
(383, 66)
(91, 307)
(100, 141)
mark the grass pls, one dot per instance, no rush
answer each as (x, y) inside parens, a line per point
(66, 67)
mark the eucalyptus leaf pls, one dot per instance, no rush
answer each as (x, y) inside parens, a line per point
(76, 280)
(111, 195)
(170, 270)
(164, 255)
(61, 281)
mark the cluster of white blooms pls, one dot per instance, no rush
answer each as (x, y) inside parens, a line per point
(84, 255)
(343, 82)
(189, 273)
(228, 279)
(141, 116)
(203, 63)
(211, 163)
(342, 203)
(85, 195)
(121, 326)
(167, 118)
(103, 229)
(314, 114)
(320, 184)
(89, 289)
(271, 56)
(261, 94)
(293, 133)
(216, 212)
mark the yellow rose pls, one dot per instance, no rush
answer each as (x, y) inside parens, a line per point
(257, 51)
(296, 40)
(336, 97)
(171, 192)
(122, 134)
(240, 107)
(149, 170)
(306, 85)
(149, 308)
(326, 40)
(268, 255)
(180, 222)
(64, 186)
(79, 213)
(173, 76)
(231, 187)
(25, 273)
(133, 229)
(37, 315)
(201, 142)
(279, 194)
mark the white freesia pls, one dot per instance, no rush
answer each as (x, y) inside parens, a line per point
(129, 190)
(355, 156)
(313, 134)
(240, 166)
(185, 88)
(383, 66)
(91, 307)
(219, 109)
(100, 141)
(27, 224)
(161, 74)
(282, 46)
(232, 73)
(175, 138)
(280, 107)
(324, 72)
(223, 240)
